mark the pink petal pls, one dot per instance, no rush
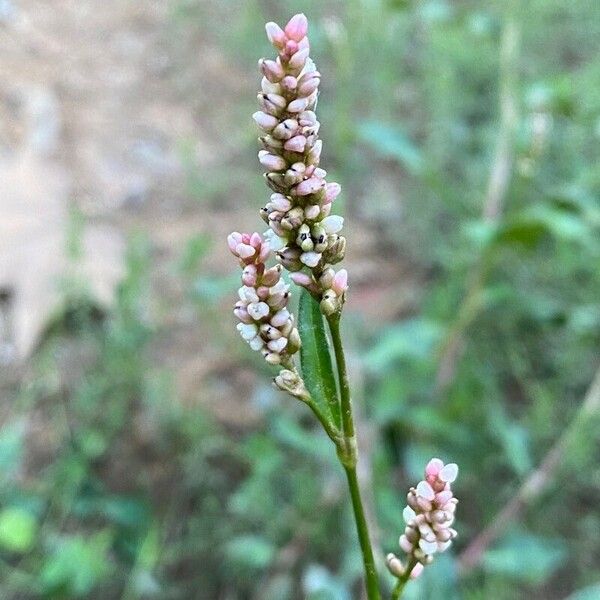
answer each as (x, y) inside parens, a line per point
(309, 186)
(233, 239)
(275, 34)
(296, 144)
(301, 279)
(245, 251)
(449, 473)
(299, 58)
(433, 467)
(340, 282)
(443, 497)
(297, 27)
(405, 544)
(332, 191)
(417, 570)
(425, 490)
(297, 105)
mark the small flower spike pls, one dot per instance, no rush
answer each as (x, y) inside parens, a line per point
(429, 517)
(303, 233)
(265, 322)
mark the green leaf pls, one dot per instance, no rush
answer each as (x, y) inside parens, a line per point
(18, 529)
(77, 565)
(390, 142)
(525, 557)
(251, 552)
(317, 369)
(522, 232)
(411, 339)
(513, 437)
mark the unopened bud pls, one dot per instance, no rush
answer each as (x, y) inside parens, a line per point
(290, 382)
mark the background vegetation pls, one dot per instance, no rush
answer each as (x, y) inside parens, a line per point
(465, 135)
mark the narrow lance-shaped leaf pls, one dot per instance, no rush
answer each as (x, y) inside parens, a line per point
(317, 369)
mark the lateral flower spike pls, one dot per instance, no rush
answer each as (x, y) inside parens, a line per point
(264, 320)
(429, 517)
(302, 232)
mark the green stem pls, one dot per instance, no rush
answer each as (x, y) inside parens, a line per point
(363, 535)
(348, 456)
(340, 359)
(398, 589)
(402, 581)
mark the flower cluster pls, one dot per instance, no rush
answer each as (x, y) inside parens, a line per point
(265, 322)
(302, 232)
(429, 517)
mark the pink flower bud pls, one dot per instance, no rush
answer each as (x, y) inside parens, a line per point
(271, 276)
(291, 47)
(433, 467)
(307, 119)
(269, 87)
(444, 497)
(280, 202)
(271, 69)
(249, 275)
(312, 212)
(333, 224)
(258, 310)
(298, 59)
(309, 186)
(245, 251)
(271, 103)
(298, 105)
(296, 144)
(315, 153)
(332, 191)
(275, 34)
(286, 129)
(310, 259)
(405, 544)
(302, 279)
(262, 291)
(417, 570)
(308, 83)
(277, 345)
(297, 27)
(424, 490)
(265, 121)
(233, 239)
(280, 318)
(271, 161)
(242, 315)
(255, 240)
(449, 473)
(289, 83)
(340, 282)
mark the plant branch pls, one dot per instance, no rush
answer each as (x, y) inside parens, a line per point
(535, 483)
(348, 457)
(372, 583)
(340, 360)
(402, 581)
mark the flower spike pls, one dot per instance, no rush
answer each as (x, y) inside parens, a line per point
(429, 517)
(303, 233)
(265, 322)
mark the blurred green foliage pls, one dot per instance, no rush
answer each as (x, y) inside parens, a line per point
(121, 492)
